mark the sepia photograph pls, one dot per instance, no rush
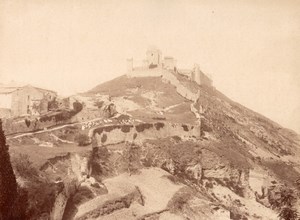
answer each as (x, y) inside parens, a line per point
(149, 110)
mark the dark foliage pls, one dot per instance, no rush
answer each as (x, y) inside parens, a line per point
(152, 66)
(27, 122)
(41, 199)
(283, 201)
(99, 161)
(53, 105)
(288, 213)
(159, 125)
(23, 166)
(126, 128)
(82, 140)
(8, 184)
(134, 136)
(142, 127)
(103, 138)
(185, 127)
(77, 106)
(99, 104)
(284, 197)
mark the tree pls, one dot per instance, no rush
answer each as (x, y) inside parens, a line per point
(283, 201)
(77, 106)
(132, 156)
(288, 213)
(8, 183)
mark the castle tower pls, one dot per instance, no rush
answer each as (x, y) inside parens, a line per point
(129, 65)
(169, 63)
(197, 77)
(153, 57)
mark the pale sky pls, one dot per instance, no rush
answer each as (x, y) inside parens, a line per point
(250, 47)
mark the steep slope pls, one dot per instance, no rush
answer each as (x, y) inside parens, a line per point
(163, 147)
(245, 142)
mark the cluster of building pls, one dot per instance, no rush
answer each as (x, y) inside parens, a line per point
(155, 60)
(24, 100)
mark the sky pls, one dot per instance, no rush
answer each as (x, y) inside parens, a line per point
(251, 48)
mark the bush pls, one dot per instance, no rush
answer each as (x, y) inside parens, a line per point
(288, 213)
(77, 106)
(82, 139)
(23, 166)
(103, 138)
(41, 198)
(99, 104)
(283, 201)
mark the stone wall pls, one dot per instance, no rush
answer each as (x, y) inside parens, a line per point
(114, 134)
(26, 124)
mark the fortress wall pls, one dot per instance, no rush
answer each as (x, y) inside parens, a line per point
(205, 80)
(114, 134)
(169, 77)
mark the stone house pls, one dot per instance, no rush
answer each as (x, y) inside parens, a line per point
(24, 100)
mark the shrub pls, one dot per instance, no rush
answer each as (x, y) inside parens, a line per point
(77, 106)
(209, 185)
(82, 140)
(284, 201)
(126, 128)
(159, 125)
(53, 104)
(99, 104)
(24, 167)
(134, 136)
(288, 213)
(176, 138)
(27, 122)
(41, 198)
(142, 127)
(103, 138)
(185, 127)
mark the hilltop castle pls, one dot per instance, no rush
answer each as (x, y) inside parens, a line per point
(154, 61)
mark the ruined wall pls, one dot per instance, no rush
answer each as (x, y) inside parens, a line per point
(26, 124)
(199, 77)
(169, 63)
(205, 80)
(114, 134)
